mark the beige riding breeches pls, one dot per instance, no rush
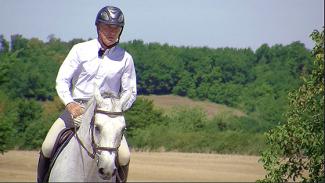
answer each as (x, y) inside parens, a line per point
(51, 136)
(59, 125)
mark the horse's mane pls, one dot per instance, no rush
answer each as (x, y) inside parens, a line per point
(91, 105)
(87, 115)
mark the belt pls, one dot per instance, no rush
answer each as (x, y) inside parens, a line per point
(81, 101)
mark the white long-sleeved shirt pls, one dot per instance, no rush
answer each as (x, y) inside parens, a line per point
(114, 72)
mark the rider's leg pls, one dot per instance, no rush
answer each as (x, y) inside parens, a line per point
(124, 160)
(51, 137)
(43, 165)
(47, 146)
(64, 121)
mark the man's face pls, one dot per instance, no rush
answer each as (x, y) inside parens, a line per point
(108, 34)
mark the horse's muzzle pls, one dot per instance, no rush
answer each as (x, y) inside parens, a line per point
(106, 175)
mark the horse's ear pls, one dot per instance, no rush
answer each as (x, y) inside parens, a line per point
(97, 95)
(125, 96)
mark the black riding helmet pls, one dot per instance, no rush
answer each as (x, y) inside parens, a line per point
(112, 16)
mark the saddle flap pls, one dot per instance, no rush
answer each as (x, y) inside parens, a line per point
(62, 140)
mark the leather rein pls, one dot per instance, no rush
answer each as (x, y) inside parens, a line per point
(96, 149)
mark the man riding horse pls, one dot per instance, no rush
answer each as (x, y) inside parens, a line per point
(99, 61)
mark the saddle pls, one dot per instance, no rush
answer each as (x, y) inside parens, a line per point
(62, 140)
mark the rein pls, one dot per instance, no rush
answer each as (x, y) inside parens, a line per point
(109, 113)
(95, 148)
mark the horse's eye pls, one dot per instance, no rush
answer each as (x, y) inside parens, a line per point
(97, 128)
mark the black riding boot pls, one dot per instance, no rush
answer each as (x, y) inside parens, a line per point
(43, 166)
(122, 173)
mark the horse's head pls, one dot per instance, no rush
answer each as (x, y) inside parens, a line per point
(108, 127)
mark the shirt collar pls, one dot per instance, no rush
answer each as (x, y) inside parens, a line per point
(103, 53)
(98, 44)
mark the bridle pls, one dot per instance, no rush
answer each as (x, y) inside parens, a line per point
(96, 149)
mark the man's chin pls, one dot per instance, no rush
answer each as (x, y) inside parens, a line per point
(109, 43)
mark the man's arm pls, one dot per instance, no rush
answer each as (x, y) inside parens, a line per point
(65, 76)
(128, 82)
(63, 82)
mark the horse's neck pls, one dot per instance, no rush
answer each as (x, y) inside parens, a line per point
(84, 162)
(84, 132)
(84, 144)
(73, 164)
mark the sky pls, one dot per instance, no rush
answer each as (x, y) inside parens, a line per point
(193, 23)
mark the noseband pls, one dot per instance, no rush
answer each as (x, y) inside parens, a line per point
(96, 149)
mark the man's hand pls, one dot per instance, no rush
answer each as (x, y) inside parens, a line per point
(75, 109)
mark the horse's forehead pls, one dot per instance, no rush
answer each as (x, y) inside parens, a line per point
(110, 120)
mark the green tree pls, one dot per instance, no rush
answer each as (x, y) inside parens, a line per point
(4, 45)
(8, 116)
(185, 86)
(296, 148)
(142, 115)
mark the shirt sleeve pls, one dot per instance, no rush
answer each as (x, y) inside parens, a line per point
(128, 82)
(65, 76)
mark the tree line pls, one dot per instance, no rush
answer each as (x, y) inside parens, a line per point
(256, 82)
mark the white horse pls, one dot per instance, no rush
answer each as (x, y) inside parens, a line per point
(91, 154)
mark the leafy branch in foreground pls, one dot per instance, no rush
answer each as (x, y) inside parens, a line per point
(296, 149)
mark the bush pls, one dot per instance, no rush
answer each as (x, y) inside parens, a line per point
(141, 115)
(296, 149)
(188, 130)
(8, 116)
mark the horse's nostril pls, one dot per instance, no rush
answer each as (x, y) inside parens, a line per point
(101, 171)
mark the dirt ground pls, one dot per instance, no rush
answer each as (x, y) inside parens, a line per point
(20, 166)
